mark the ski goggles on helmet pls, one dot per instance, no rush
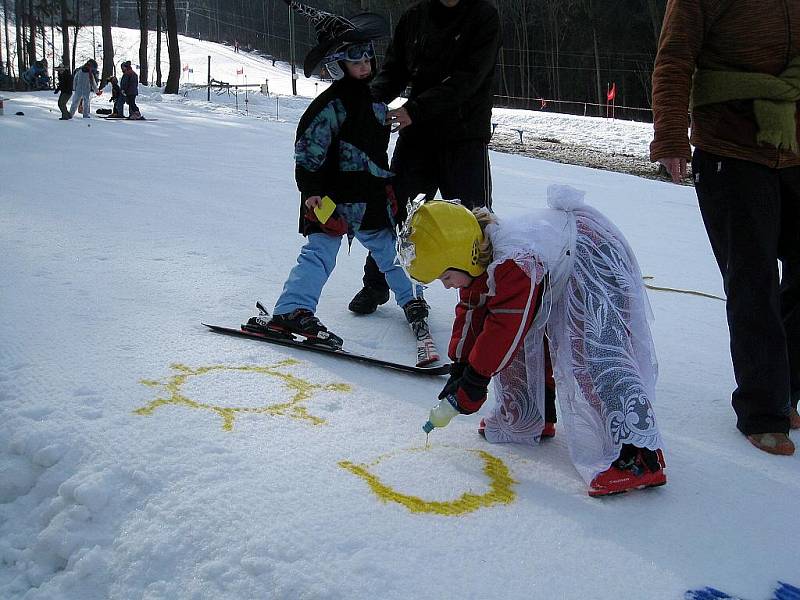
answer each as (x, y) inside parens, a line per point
(354, 52)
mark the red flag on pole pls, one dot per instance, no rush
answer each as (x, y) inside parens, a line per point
(612, 93)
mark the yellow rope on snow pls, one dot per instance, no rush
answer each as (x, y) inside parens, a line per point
(679, 291)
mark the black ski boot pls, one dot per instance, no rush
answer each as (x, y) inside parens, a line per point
(259, 323)
(367, 300)
(416, 312)
(301, 322)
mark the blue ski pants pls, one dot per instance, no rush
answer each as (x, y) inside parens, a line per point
(318, 258)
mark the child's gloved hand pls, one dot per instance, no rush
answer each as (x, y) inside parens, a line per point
(335, 225)
(313, 202)
(471, 391)
(456, 371)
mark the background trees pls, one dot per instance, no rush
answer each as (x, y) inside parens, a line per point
(108, 41)
(560, 53)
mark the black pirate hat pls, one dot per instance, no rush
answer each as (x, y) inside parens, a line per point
(333, 31)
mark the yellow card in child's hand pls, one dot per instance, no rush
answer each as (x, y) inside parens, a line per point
(325, 210)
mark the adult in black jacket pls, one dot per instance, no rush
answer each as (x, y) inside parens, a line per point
(64, 91)
(129, 86)
(445, 52)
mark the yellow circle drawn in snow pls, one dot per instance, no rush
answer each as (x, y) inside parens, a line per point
(500, 488)
(293, 408)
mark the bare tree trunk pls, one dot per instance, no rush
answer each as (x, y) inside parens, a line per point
(597, 72)
(174, 77)
(143, 6)
(8, 43)
(32, 38)
(53, 43)
(3, 67)
(656, 17)
(18, 22)
(108, 42)
(75, 36)
(588, 5)
(158, 43)
(64, 34)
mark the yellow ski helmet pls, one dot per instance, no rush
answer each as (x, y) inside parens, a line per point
(440, 235)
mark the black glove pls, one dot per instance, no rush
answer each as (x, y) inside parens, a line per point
(471, 391)
(456, 371)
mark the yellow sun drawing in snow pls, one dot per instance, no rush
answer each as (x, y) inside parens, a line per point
(301, 390)
(501, 488)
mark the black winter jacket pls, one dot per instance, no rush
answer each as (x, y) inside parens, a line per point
(65, 82)
(336, 137)
(129, 84)
(448, 57)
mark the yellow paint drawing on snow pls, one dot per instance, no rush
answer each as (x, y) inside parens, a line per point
(294, 407)
(500, 488)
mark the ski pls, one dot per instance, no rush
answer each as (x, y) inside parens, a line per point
(126, 119)
(304, 345)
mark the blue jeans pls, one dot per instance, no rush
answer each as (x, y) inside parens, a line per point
(318, 258)
(119, 105)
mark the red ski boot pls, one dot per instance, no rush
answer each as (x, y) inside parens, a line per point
(636, 468)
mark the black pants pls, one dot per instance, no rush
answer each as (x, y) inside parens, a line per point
(752, 216)
(63, 100)
(131, 102)
(459, 170)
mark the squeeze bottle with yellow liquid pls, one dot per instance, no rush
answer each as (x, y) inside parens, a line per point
(441, 414)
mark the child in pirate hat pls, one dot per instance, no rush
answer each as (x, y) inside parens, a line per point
(341, 152)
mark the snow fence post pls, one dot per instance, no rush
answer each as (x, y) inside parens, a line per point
(208, 89)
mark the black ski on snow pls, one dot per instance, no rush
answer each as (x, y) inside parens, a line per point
(294, 343)
(126, 119)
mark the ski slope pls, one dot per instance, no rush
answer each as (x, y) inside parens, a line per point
(142, 456)
(610, 136)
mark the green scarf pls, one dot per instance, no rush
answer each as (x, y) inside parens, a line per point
(774, 99)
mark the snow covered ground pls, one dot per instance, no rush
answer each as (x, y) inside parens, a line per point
(142, 456)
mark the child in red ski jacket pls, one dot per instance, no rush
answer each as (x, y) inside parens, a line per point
(565, 272)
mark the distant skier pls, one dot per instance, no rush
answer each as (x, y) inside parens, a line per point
(64, 91)
(341, 152)
(129, 85)
(118, 111)
(84, 84)
(567, 273)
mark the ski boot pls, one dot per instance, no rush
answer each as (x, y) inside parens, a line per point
(367, 300)
(300, 322)
(416, 312)
(636, 468)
